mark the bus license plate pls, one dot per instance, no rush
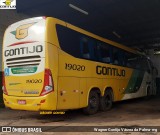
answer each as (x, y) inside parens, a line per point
(22, 102)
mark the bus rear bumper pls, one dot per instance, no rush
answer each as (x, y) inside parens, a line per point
(47, 102)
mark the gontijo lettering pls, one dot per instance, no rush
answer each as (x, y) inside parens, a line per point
(23, 50)
(102, 70)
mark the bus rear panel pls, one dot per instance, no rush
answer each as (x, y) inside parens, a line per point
(27, 83)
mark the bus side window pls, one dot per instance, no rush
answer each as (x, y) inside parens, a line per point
(98, 52)
(95, 51)
(104, 52)
(122, 58)
(69, 41)
(115, 56)
(127, 60)
(85, 48)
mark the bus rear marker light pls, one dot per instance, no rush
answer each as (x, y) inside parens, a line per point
(42, 101)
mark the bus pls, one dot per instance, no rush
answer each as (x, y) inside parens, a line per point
(49, 64)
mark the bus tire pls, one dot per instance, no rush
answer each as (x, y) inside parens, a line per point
(93, 103)
(106, 101)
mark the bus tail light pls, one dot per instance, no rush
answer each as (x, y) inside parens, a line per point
(48, 83)
(3, 85)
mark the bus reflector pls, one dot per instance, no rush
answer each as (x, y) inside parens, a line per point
(48, 83)
(3, 85)
(42, 101)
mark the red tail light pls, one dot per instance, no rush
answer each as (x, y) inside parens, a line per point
(48, 83)
(3, 84)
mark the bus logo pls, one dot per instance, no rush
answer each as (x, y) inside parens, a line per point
(22, 31)
(7, 4)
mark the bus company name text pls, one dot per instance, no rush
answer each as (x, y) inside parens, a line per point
(23, 50)
(102, 70)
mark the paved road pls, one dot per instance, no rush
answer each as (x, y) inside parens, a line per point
(137, 112)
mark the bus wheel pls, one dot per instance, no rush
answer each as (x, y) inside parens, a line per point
(93, 103)
(106, 101)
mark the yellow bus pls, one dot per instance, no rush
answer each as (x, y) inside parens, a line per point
(49, 64)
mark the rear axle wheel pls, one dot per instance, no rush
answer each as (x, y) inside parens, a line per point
(93, 103)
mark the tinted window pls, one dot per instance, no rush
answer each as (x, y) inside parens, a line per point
(115, 55)
(82, 46)
(69, 41)
(121, 57)
(85, 48)
(104, 52)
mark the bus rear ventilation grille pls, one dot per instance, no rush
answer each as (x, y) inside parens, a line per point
(23, 61)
